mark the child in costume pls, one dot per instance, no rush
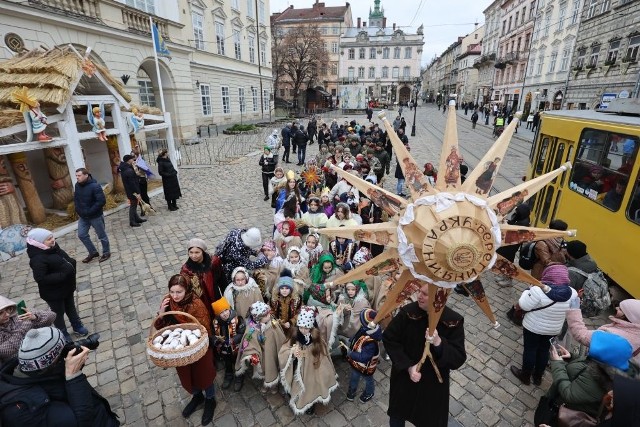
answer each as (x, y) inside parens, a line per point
(299, 270)
(310, 252)
(343, 251)
(287, 236)
(199, 376)
(242, 291)
(269, 274)
(363, 356)
(286, 301)
(323, 272)
(259, 347)
(276, 184)
(354, 300)
(228, 329)
(307, 373)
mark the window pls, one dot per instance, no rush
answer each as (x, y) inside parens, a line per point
(351, 74)
(266, 102)
(396, 53)
(517, 16)
(561, 17)
(526, 41)
(335, 30)
(263, 52)
(251, 13)
(547, 24)
(582, 53)
(385, 53)
(144, 5)
(145, 90)
(395, 72)
(552, 63)
(334, 47)
(261, 12)
(406, 72)
(220, 37)
(254, 98)
(324, 30)
(612, 55)
(235, 4)
(509, 27)
(385, 72)
(592, 8)
(540, 65)
(575, 12)
(324, 46)
(198, 32)
(252, 49)
(334, 69)
(361, 53)
(564, 62)
(524, 13)
(226, 101)
(281, 95)
(236, 44)
(633, 211)
(632, 50)
(372, 72)
(407, 53)
(602, 167)
(205, 99)
(504, 27)
(361, 72)
(532, 10)
(593, 59)
(352, 54)
(372, 53)
(605, 5)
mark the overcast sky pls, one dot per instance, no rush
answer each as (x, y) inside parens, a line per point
(443, 20)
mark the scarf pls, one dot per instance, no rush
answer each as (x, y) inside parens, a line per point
(304, 339)
(37, 244)
(295, 268)
(293, 232)
(317, 275)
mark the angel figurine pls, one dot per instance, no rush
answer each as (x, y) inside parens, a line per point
(136, 121)
(30, 108)
(95, 116)
(38, 123)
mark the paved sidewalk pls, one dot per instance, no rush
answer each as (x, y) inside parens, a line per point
(119, 299)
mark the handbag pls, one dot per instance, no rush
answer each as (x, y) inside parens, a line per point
(572, 418)
(516, 314)
(546, 412)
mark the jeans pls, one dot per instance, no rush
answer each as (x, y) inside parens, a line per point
(302, 151)
(400, 186)
(396, 422)
(133, 214)
(65, 306)
(285, 155)
(535, 354)
(265, 182)
(83, 234)
(369, 383)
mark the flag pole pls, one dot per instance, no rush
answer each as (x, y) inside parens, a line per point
(155, 55)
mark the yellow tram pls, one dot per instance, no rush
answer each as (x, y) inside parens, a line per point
(600, 195)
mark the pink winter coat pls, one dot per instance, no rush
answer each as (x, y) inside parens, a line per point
(626, 329)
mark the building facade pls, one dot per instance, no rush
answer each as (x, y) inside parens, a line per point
(470, 50)
(485, 63)
(604, 64)
(331, 22)
(214, 76)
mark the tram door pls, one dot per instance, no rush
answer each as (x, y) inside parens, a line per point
(551, 154)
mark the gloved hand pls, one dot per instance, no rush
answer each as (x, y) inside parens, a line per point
(574, 303)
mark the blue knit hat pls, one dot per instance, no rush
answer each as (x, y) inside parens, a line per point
(285, 279)
(610, 349)
(366, 317)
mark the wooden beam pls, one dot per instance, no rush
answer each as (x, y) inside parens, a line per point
(22, 127)
(31, 146)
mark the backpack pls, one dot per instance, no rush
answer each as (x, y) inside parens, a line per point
(527, 255)
(595, 292)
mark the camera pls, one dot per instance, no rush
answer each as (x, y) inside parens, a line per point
(91, 342)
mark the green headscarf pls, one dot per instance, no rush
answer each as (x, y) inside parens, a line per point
(316, 271)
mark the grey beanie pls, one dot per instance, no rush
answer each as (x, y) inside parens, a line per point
(40, 349)
(197, 243)
(39, 234)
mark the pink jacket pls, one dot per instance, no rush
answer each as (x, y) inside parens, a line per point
(628, 330)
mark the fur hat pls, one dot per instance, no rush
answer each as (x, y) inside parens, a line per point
(362, 255)
(576, 249)
(251, 238)
(259, 310)
(366, 316)
(239, 270)
(220, 305)
(306, 317)
(611, 349)
(40, 348)
(285, 279)
(631, 310)
(197, 243)
(555, 274)
(39, 234)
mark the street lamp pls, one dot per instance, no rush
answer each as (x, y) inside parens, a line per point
(416, 88)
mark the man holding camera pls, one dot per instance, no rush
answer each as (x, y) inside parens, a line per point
(45, 385)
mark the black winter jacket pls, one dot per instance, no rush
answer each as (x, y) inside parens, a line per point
(268, 164)
(54, 271)
(129, 179)
(89, 199)
(300, 138)
(50, 400)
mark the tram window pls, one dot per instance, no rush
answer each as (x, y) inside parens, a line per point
(564, 174)
(602, 167)
(556, 205)
(548, 197)
(558, 159)
(633, 212)
(542, 155)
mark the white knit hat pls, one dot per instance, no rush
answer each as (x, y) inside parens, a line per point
(238, 270)
(259, 310)
(306, 317)
(40, 348)
(39, 234)
(252, 238)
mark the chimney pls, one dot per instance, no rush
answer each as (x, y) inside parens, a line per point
(384, 22)
(359, 23)
(394, 26)
(364, 24)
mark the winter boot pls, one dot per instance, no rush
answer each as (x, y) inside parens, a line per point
(191, 407)
(522, 375)
(228, 379)
(237, 386)
(537, 379)
(209, 409)
(79, 329)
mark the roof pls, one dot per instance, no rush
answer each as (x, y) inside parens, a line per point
(51, 76)
(378, 34)
(319, 12)
(593, 115)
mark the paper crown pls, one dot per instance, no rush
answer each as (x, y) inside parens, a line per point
(291, 175)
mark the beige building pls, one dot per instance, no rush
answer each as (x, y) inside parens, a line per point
(485, 63)
(331, 21)
(219, 71)
(470, 50)
(604, 64)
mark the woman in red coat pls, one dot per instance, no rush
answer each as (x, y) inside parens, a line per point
(204, 273)
(200, 375)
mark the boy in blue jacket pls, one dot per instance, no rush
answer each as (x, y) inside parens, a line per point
(363, 356)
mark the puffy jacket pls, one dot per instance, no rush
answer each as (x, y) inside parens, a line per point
(547, 321)
(54, 271)
(89, 199)
(129, 179)
(268, 164)
(300, 138)
(286, 135)
(42, 401)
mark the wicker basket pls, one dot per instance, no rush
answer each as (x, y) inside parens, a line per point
(184, 356)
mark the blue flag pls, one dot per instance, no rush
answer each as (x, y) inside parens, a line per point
(161, 46)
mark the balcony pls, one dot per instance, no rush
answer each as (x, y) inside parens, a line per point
(348, 80)
(511, 57)
(501, 63)
(83, 9)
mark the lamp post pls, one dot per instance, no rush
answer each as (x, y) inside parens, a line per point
(415, 107)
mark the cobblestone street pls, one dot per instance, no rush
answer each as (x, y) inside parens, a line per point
(119, 299)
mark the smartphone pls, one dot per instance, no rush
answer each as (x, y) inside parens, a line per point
(554, 342)
(21, 307)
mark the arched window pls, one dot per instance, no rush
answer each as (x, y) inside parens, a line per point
(145, 89)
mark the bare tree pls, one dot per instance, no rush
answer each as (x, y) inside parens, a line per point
(298, 55)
